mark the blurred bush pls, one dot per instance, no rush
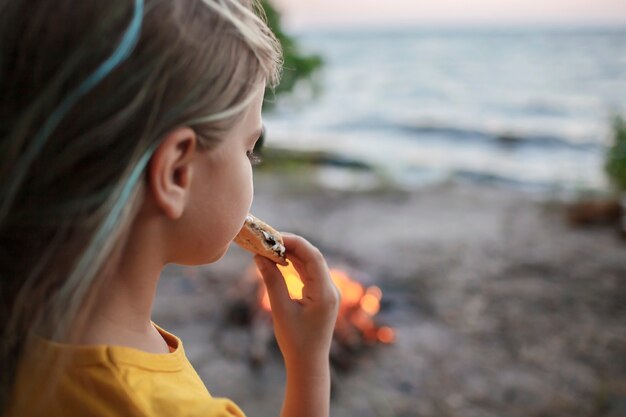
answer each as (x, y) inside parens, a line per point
(297, 66)
(616, 157)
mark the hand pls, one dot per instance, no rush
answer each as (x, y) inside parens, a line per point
(303, 328)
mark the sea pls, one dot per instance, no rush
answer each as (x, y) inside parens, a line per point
(525, 107)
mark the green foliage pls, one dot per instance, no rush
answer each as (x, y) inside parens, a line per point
(616, 158)
(296, 65)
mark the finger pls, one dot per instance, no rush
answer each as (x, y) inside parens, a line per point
(303, 251)
(275, 284)
(309, 263)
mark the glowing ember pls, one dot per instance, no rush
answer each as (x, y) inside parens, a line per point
(370, 302)
(386, 335)
(358, 304)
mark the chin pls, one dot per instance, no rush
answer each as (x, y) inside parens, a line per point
(217, 256)
(203, 260)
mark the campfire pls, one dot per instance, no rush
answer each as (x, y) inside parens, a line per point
(357, 326)
(359, 305)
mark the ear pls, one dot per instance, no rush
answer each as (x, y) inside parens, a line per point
(170, 171)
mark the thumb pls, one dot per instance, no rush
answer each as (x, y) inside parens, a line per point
(274, 282)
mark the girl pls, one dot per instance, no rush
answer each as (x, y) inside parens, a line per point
(126, 136)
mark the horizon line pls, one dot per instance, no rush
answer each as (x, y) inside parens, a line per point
(455, 25)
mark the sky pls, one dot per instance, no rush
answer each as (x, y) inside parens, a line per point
(303, 14)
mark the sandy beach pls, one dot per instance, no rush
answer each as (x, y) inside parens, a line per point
(500, 307)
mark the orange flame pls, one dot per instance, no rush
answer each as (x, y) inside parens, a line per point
(294, 285)
(351, 291)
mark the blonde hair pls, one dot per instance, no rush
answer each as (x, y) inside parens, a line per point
(89, 88)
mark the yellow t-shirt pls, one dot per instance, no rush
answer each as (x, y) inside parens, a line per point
(112, 381)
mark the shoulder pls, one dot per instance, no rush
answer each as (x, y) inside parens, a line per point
(112, 381)
(104, 391)
(90, 391)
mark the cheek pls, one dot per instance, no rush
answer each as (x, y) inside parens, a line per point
(250, 185)
(231, 183)
(237, 192)
(245, 189)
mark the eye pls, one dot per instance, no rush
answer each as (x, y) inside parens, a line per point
(254, 158)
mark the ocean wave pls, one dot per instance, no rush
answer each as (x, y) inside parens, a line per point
(499, 136)
(503, 137)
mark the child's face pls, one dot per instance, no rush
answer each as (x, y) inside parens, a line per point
(222, 189)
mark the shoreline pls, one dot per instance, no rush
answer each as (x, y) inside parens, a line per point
(333, 169)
